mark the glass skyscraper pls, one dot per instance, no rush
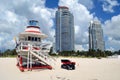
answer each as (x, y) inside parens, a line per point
(64, 30)
(96, 36)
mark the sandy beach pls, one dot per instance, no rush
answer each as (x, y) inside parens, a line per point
(86, 69)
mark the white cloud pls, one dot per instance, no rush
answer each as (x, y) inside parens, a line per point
(79, 47)
(108, 5)
(88, 3)
(6, 42)
(11, 16)
(45, 17)
(111, 49)
(112, 44)
(112, 32)
(15, 14)
(112, 27)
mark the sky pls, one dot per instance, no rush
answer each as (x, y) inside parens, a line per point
(15, 14)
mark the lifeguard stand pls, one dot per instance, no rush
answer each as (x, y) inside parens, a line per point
(32, 53)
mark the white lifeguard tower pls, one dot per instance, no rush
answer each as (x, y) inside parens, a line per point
(32, 53)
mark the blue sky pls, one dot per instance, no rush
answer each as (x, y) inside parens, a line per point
(97, 9)
(16, 13)
(104, 15)
(51, 3)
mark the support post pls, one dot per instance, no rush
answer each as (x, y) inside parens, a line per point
(31, 62)
(28, 57)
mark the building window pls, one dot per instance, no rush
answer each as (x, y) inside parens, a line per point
(35, 38)
(39, 39)
(32, 38)
(29, 38)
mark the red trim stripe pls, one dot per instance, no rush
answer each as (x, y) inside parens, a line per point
(33, 31)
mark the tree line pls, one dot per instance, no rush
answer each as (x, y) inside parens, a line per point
(8, 53)
(90, 53)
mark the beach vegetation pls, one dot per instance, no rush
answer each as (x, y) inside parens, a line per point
(8, 53)
(89, 54)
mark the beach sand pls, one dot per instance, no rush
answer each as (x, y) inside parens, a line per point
(86, 69)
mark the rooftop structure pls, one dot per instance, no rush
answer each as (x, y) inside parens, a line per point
(63, 7)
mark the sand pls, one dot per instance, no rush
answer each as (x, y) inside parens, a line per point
(86, 69)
